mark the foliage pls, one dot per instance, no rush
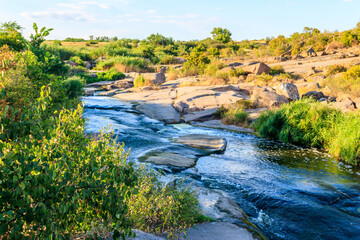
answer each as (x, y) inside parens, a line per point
(334, 69)
(161, 209)
(74, 86)
(124, 64)
(348, 83)
(222, 35)
(235, 113)
(111, 75)
(56, 181)
(277, 70)
(10, 35)
(312, 124)
(140, 81)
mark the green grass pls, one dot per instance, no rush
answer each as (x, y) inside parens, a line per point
(312, 124)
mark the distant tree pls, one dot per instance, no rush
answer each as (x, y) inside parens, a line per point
(91, 37)
(158, 39)
(221, 34)
(10, 35)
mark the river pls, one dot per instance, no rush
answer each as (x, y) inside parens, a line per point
(288, 192)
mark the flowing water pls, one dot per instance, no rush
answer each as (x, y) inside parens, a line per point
(288, 192)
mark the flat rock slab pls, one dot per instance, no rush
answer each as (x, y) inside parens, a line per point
(202, 141)
(140, 235)
(109, 93)
(218, 231)
(99, 84)
(201, 115)
(161, 111)
(172, 159)
(219, 125)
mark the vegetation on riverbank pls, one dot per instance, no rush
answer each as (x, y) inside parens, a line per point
(313, 124)
(56, 182)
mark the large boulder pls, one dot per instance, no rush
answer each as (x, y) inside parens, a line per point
(172, 159)
(305, 87)
(314, 94)
(344, 104)
(202, 141)
(357, 103)
(310, 52)
(289, 90)
(257, 68)
(266, 97)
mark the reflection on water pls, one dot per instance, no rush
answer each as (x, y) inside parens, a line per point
(288, 192)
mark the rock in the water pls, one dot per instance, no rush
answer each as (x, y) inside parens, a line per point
(172, 159)
(201, 141)
(201, 115)
(109, 93)
(217, 231)
(289, 90)
(217, 124)
(231, 208)
(257, 68)
(161, 111)
(314, 94)
(89, 91)
(99, 84)
(264, 97)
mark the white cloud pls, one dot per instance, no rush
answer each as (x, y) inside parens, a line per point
(84, 4)
(60, 15)
(151, 11)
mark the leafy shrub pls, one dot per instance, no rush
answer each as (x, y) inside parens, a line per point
(57, 181)
(312, 124)
(278, 69)
(162, 209)
(124, 64)
(168, 59)
(110, 75)
(140, 81)
(348, 83)
(334, 69)
(74, 86)
(235, 113)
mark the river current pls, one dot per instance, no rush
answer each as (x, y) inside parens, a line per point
(288, 192)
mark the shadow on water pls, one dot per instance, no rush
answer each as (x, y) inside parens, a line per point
(289, 192)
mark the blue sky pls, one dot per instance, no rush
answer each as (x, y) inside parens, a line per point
(180, 19)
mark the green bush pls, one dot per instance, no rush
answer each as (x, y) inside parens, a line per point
(128, 64)
(312, 124)
(74, 86)
(278, 69)
(161, 209)
(110, 75)
(140, 81)
(56, 181)
(334, 69)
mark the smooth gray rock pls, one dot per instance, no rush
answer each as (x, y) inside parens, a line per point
(200, 115)
(140, 235)
(265, 97)
(313, 94)
(218, 231)
(289, 90)
(202, 141)
(217, 124)
(161, 111)
(172, 159)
